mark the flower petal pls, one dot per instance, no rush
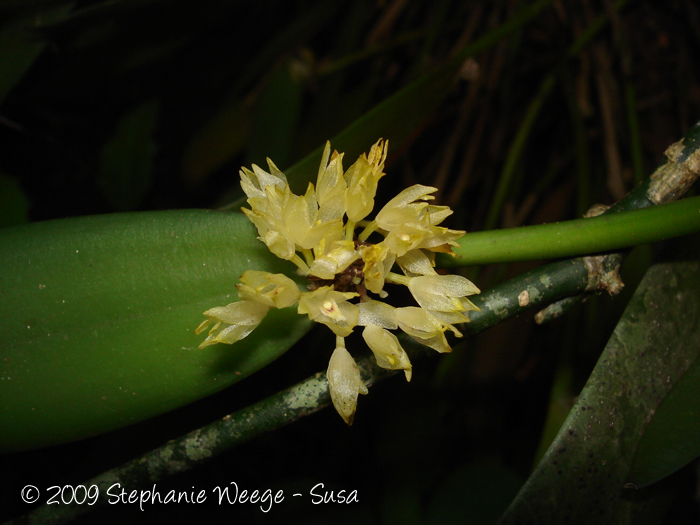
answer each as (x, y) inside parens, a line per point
(254, 182)
(274, 235)
(330, 186)
(362, 178)
(416, 262)
(377, 313)
(425, 328)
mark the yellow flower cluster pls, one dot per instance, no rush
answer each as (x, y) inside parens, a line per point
(318, 232)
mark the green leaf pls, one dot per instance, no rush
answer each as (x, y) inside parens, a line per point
(654, 349)
(99, 316)
(672, 438)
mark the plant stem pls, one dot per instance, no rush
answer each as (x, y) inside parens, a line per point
(197, 447)
(303, 268)
(308, 256)
(349, 230)
(578, 237)
(369, 230)
(396, 278)
(632, 221)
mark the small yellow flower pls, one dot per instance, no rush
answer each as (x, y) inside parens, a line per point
(444, 295)
(301, 220)
(425, 328)
(232, 322)
(405, 207)
(317, 232)
(378, 261)
(387, 349)
(341, 255)
(344, 382)
(330, 307)
(273, 290)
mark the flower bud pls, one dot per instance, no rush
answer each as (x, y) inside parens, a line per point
(387, 350)
(344, 383)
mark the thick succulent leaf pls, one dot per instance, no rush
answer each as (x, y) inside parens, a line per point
(652, 353)
(672, 438)
(98, 317)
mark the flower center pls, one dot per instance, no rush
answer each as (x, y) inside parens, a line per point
(352, 279)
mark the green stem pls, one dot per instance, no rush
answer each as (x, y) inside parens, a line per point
(308, 256)
(369, 230)
(349, 230)
(578, 237)
(303, 268)
(195, 448)
(396, 278)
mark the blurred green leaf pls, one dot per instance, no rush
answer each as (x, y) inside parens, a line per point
(13, 202)
(228, 131)
(277, 113)
(19, 46)
(474, 494)
(99, 316)
(221, 137)
(126, 162)
(654, 349)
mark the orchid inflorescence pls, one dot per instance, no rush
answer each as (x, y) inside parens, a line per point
(341, 266)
